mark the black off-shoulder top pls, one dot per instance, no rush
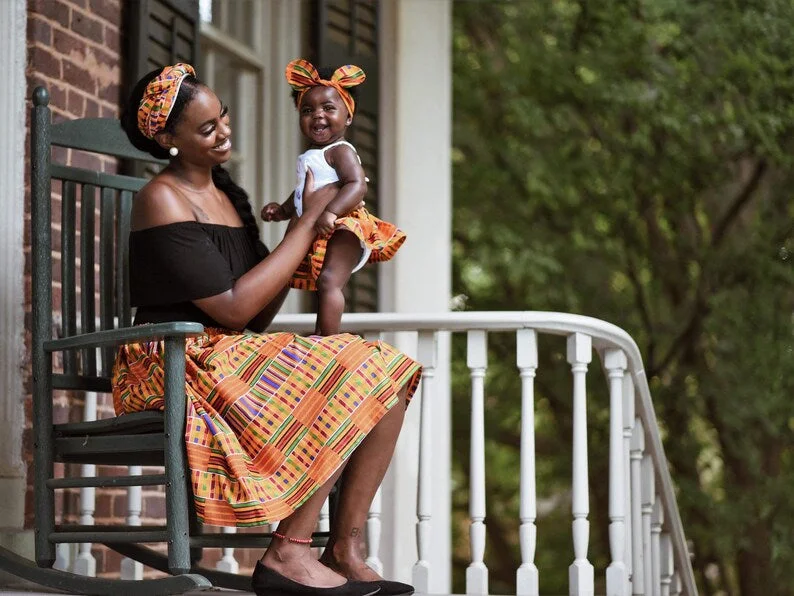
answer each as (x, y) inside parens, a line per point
(174, 264)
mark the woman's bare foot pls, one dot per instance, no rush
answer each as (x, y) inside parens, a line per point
(297, 563)
(346, 560)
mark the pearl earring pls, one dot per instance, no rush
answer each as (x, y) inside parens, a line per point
(173, 151)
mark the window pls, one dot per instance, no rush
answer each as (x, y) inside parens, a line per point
(240, 49)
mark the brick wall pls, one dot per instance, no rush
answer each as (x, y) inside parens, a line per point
(74, 48)
(75, 51)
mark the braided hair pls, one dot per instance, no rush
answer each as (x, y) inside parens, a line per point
(220, 176)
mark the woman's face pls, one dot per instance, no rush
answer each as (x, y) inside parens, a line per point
(203, 134)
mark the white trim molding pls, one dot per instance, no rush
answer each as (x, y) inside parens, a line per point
(13, 21)
(415, 193)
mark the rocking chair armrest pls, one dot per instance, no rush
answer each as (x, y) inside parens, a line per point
(126, 335)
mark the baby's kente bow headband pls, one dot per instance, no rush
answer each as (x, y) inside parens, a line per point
(302, 76)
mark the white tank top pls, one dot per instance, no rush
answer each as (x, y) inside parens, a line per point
(324, 174)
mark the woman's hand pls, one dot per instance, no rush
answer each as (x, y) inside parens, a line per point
(315, 200)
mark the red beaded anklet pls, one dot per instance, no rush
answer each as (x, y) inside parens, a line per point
(295, 540)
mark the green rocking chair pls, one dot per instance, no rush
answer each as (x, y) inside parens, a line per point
(141, 439)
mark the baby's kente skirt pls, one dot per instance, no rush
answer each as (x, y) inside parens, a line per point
(379, 239)
(270, 417)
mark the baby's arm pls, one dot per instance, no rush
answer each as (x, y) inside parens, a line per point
(279, 212)
(353, 186)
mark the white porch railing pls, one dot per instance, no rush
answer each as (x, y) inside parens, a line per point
(649, 555)
(648, 550)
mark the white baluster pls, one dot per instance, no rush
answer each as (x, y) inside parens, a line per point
(85, 563)
(324, 521)
(617, 576)
(665, 564)
(63, 556)
(675, 586)
(373, 526)
(628, 426)
(527, 361)
(477, 361)
(657, 519)
(638, 562)
(228, 562)
(648, 492)
(426, 353)
(373, 534)
(581, 579)
(130, 568)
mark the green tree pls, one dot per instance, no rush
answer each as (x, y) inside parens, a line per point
(632, 161)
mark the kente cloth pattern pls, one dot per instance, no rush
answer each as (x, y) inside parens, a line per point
(270, 417)
(302, 76)
(381, 237)
(159, 97)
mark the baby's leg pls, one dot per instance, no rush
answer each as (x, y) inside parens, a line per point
(341, 256)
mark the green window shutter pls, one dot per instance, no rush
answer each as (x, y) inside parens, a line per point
(160, 32)
(346, 32)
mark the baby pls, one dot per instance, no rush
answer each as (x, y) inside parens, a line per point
(348, 235)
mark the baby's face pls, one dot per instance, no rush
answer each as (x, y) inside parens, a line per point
(323, 116)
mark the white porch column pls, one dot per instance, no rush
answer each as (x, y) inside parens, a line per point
(13, 20)
(416, 194)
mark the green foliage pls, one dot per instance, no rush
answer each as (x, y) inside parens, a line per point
(633, 161)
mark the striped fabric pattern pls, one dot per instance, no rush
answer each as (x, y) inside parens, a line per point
(382, 237)
(159, 98)
(270, 417)
(302, 76)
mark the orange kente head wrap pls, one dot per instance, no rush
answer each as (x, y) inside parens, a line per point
(159, 97)
(302, 76)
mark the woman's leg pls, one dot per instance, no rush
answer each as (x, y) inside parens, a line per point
(341, 256)
(363, 475)
(296, 561)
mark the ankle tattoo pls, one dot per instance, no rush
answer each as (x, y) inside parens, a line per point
(291, 539)
(355, 532)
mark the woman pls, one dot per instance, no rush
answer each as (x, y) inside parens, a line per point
(273, 419)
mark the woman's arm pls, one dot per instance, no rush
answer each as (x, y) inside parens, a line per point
(262, 320)
(263, 284)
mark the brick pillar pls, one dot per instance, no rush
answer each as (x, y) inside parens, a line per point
(74, 50)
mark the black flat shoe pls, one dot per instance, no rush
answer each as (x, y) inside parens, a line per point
(388, 588)
(267, 582)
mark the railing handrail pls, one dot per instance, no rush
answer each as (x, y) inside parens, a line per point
(603, 334)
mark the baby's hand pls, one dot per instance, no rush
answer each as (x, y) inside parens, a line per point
(325, 224)
(274, 212)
